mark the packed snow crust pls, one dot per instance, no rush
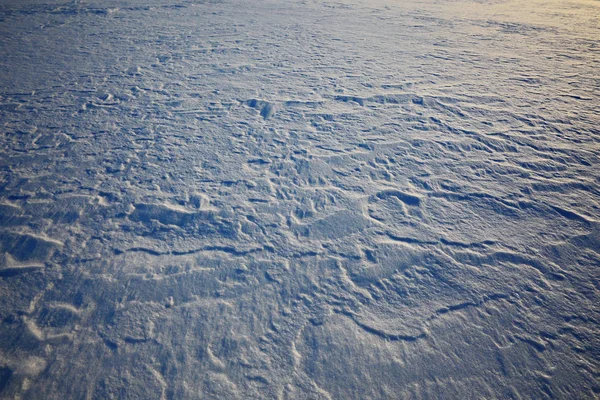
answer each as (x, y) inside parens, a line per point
(299, 199)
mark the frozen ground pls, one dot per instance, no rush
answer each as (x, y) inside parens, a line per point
(299, 200)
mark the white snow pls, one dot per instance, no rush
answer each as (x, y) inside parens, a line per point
(299, 199)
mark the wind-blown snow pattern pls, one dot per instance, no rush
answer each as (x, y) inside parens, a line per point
(299, 199)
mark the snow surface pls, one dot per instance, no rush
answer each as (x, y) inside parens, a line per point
(299, 199)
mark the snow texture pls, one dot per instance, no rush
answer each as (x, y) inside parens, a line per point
(299, 199)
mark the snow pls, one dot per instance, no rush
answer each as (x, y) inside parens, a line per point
(299, 199)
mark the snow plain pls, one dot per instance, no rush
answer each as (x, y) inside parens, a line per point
(299, 199)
